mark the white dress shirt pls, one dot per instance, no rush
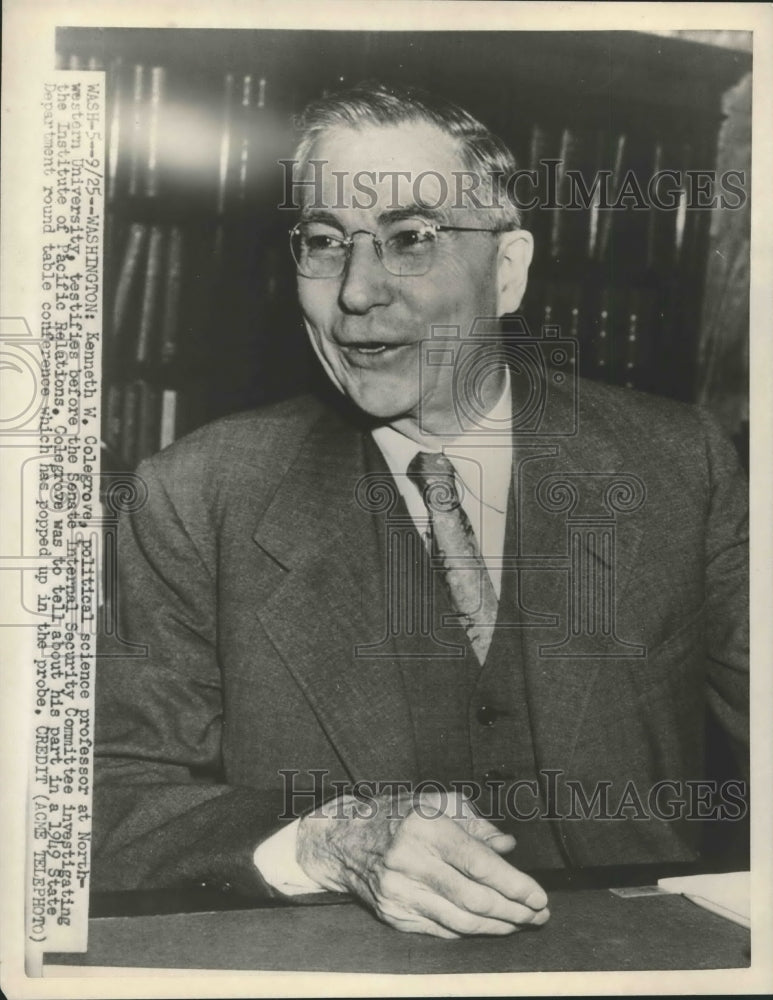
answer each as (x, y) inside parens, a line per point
(483, 468)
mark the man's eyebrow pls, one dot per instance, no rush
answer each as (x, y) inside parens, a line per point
(321, 215)
(397, 214)
(411, 212)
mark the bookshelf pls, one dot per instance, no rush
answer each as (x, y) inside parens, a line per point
(200, 312)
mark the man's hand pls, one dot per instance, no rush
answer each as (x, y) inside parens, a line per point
(428, 865)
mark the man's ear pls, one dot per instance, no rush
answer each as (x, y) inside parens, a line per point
(513, 259)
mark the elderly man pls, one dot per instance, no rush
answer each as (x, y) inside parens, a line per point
(410, 642)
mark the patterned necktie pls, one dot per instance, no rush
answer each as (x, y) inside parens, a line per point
(455, 545)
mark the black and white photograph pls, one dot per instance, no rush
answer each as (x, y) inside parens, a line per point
(379, 437)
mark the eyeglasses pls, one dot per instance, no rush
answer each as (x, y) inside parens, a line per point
(406, 248)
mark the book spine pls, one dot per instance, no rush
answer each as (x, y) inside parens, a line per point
(562, 306)
(170, 323)
(168, 422)
(538, 219)
(604, 223)
(129, 409)
(157, 86)
(630, 348)
(665, 223)
(151, 297)
(251, 112)
(577, 176)
(148, 421)
(114, 127)
(680, 222)
(599, 186)
(112, 418)
(127, 277)
(245, 137)
(601, 343)
(643, 327)
(225, 142)
(138, 129)
(653, 213)
(557, 221)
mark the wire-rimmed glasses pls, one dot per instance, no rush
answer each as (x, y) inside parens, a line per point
(406, 248)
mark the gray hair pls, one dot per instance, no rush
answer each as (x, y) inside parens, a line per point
(481, 152)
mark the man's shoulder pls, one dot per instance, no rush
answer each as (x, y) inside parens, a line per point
(647, 429)
(603, 405)
(243, 453)
(247, 435)
(591, 392)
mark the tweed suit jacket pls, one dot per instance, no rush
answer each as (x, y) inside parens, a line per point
(251, 573)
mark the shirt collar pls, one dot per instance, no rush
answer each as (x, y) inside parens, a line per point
(463, 452)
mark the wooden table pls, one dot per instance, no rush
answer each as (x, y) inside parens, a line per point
(590, 929)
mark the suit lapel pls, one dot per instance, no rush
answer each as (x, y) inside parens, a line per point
(330, 600)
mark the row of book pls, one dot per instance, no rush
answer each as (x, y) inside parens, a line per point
(616, 329)
(600, 199)
(168, 136)
(178, 295)
(140, 419)
(147, 296)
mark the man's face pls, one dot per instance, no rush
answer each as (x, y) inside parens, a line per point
(367, 325)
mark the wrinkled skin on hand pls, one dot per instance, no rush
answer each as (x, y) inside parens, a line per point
(425, 864)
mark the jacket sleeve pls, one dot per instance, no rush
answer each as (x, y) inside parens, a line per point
(163, 815)
(727, 591)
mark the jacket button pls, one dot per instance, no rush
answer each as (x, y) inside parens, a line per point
(486, 715)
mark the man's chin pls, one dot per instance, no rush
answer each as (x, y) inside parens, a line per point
(381, 407)
(381, 413)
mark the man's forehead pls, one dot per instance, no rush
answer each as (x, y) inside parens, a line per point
(413, 146)
(373, 168)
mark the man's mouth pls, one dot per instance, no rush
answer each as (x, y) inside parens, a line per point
(370, 347)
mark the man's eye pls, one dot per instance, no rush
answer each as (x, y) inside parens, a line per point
(316, 242)
(406, 240)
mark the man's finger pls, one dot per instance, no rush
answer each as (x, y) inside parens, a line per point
(461, 809)
(440, 910)
(417, 923)
(454, 805)
(481, 863)
(483, 830)
(502, 843)
(480, 899)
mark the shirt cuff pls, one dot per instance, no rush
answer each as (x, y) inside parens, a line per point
(275, 860)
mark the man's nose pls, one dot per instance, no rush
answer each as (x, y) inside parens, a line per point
(366, 281)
